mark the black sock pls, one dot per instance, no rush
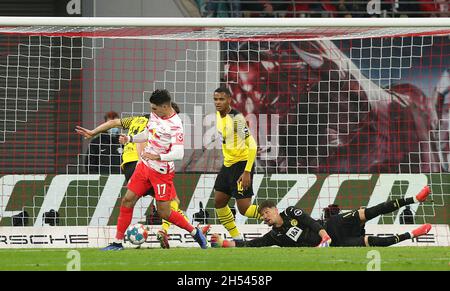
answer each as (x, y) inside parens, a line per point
(385, 241)
(387, 207)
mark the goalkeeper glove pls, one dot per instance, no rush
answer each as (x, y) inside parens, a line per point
(326, 241)
(216, 240)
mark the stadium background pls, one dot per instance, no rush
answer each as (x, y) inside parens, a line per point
(114, 77)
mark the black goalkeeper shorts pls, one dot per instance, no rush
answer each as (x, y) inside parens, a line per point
(345, 230)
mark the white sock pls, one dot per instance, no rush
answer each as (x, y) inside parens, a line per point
(194, 232)
(117, 241)
(411, 234)
(415, 199)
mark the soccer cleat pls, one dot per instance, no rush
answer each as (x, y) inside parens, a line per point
(113, 247)
(205, 229)
(423, 194)
(163, 239)
(421, 230)
(200, 238)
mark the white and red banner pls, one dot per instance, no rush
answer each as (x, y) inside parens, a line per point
(98, 237)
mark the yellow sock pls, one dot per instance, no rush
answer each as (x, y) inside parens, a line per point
(252, 212)
(166, 225)
(227, 219)
(174, 207)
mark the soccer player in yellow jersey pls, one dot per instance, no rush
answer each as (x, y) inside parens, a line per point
(235, 177)
(131, 156)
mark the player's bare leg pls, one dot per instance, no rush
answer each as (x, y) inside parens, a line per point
(248, 209)
(221, 199)
(130, 199)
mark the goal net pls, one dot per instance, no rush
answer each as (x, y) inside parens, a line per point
(348, 115)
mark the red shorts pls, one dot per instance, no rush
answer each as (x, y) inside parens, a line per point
(144, 178)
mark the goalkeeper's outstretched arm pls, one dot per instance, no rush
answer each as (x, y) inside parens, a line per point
(264, 241)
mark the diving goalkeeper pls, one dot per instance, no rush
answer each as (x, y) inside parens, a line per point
(295, 228)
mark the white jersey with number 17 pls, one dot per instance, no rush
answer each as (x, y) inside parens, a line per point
(164, 136)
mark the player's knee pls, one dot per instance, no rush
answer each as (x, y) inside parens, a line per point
(243, 205)
(129, 200)
(242, 210)
(219, 203)
(220, 199)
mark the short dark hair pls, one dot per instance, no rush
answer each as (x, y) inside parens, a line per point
(223, 90)
(160, 97)
(175, 107)
(266, 204)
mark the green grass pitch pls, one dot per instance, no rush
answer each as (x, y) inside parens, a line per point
(258, 259)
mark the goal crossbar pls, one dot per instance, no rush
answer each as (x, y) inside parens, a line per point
(223, 22)
(229, 29)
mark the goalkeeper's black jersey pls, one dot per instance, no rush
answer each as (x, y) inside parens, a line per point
(298, 230)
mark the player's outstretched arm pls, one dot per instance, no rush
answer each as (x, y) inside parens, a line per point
(326, 239)
(264, 241)
(84, 132)
(218, 242)
(140, 137)
(89, 134)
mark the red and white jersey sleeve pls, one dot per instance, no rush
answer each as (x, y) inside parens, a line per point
(165, 135)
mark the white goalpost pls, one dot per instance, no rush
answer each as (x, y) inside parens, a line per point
(351, 112)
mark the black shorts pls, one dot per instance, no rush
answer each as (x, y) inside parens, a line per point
(226, 181)
(128, 170)
(345, 230)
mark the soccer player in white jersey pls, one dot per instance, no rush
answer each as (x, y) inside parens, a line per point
(165, 144)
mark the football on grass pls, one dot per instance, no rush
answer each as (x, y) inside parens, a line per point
(137, 233)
